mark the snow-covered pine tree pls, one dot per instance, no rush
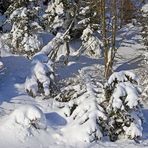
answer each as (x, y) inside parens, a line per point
(59, 19)
(87, 15)
(53, 17)
(81, 104)
(90, 43)
(24, 16)
(85, 26)
(145, 90)
(58, 15)
(124, 107)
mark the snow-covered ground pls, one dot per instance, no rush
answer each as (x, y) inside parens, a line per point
(27, 122)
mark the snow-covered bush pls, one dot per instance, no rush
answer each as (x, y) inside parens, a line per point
(124, 107)
(143, 77)
(85, 115)
(58, 15)
(73, 88)
(41, 79)
(145, 57)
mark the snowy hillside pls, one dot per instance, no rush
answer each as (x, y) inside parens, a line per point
(20, 123)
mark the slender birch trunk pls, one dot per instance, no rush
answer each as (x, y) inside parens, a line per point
(104, 34)
(109, 47)
(121, 12)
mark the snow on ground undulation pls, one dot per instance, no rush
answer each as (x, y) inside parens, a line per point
(27, 122)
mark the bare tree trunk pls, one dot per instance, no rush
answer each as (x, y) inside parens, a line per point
(121, 12)
(67, 53)
(113, 39)
(104, 35)
(114, 24)
(109, 48)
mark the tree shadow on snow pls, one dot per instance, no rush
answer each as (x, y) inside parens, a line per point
(145, 125)
(77, 64)
(128, 36)
(131, 64)
(16, 70)
(54, 119)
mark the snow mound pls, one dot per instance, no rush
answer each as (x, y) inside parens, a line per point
(28, 116)
(25, 126)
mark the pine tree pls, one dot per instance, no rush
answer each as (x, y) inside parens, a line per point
(90, 43)
(58, 15)
(81, 104)
(4, 4)
(88, 15)
(24, 17)
(124, 106)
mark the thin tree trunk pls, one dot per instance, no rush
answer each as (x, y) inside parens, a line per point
(104, 35)
(109, 51)
(67, 53)
(121, 12)
(114, 24)
(113, 39)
